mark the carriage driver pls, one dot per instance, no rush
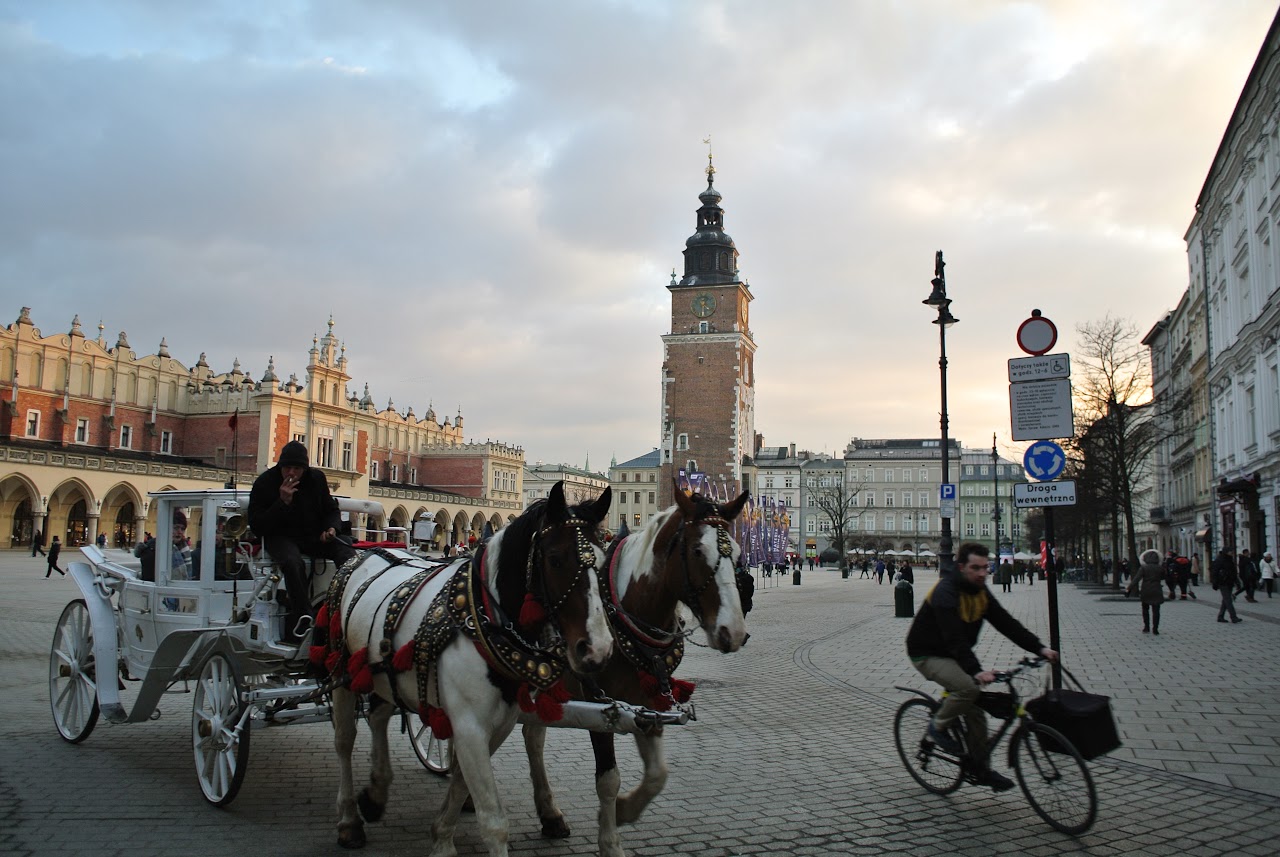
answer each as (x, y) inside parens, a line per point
(940, 645)
(291, 508)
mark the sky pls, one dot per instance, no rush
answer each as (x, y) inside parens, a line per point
(489, 197)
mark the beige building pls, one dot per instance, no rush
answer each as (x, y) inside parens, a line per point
(636, 491)
(88, 429)
(580, 484)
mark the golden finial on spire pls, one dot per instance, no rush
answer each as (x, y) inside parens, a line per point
(711, 168)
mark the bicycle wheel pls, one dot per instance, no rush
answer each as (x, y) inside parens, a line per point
(1054, 777)
(938, 772)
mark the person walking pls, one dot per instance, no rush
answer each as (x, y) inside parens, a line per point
(879, 571)
(1267, 568)
(37, 543)
(54, 550)
(1005, 576)
(1248, 571)
(1147, 585)
(1170, 574)
(1195, 569)
(866, 570)
(1223, 577)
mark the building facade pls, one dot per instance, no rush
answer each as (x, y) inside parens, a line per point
(88, 429)
(1233, 250)
(580, 484)
(985, 506)
(637, 495)
(708, 378)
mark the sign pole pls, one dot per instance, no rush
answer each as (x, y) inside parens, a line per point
(1051, 574)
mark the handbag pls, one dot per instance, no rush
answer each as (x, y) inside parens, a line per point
(1083, 718)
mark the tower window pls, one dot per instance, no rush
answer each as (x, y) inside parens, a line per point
(703, 327)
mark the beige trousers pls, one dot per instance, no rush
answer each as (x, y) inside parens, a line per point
(963, 690)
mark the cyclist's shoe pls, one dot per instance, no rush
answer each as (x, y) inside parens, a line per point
(997, 782)
(943, 741)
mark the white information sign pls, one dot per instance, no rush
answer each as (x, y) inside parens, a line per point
(1030, 494)
(1041, 368)
(1041, 410)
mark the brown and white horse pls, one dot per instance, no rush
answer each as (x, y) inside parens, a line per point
(414, 639)
(684, 555)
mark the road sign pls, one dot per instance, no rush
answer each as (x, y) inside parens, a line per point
(947, 500)
(1040, 410)
(1044, 460)
(1031, 494)
(947, 491)
(1037, 334)
(1040, 368)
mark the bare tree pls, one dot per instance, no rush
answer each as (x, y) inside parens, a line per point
(1120, 427)
(837, 503)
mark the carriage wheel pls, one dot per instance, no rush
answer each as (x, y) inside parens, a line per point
(431, 751)
(73, 684)
(221, 742)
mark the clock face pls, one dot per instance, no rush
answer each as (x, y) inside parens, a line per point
(704, 305)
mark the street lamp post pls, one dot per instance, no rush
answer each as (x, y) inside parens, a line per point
(938, 298)
(995, 495)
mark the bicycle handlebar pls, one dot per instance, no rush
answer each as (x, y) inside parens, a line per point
(1005, 676)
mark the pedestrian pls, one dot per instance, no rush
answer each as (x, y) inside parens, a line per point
(54, 550)
(1195, 569)
(1170, 575)
(1005, 576)
(866, 570)
(907, 573)
(102, 540)
(879, 571)
(1223, 577)
(1147, 585)
(1248, 581)
(37, 543)
(1182, 575)
(1267, 568)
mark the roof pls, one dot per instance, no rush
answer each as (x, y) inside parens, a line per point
(649, 459)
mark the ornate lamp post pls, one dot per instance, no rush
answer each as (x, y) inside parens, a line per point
(938, 298)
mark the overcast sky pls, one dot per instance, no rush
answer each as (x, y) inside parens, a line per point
(489, 197)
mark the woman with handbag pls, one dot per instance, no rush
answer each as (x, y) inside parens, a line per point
(1148, 583)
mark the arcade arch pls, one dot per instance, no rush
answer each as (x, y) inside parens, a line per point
(18, 502)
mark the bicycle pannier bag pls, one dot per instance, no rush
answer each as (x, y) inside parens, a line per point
(1084, 719)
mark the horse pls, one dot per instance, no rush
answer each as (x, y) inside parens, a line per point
(444, 640)
(684, 555)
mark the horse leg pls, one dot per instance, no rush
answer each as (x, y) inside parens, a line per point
(373, 797)
(350, 826)
(553, 823)
(607, 782)
(633, 803)
(447, 821)
(472, 746)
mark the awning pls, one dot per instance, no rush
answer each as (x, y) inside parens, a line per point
(1242, 485)
(1202, 535)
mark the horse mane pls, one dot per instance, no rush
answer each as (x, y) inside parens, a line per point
(511, 546)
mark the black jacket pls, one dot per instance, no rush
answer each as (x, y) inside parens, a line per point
(312, 511)
(950, 618)
(1224, 572)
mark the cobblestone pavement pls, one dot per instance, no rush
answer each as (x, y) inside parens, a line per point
(792, 752)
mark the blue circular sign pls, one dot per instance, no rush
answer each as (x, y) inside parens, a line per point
(1044, 460)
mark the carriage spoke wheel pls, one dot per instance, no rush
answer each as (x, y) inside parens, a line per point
(1054, 778)
(221, 741)
(431, 751)
(930, 767)
(73, 684)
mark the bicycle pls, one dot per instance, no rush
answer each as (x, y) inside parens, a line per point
(1049, 769)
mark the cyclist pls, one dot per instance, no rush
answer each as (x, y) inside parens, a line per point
(940, 645)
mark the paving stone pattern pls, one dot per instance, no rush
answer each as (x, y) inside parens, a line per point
(792, 752)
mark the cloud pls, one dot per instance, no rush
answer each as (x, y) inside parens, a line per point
(489, 198)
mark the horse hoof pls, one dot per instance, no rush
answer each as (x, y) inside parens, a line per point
(369, 809)
(555, 828)
(351, 835)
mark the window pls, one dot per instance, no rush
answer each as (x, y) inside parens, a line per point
(1251, 418)
(624, 478)
(622, 521)
(325, 458)
(810, 526)
(907, 522)
(986, 530)
(346, 455)
(653, 477)
(126, 437)
(870, 519)
(682, 441)
(968, 530)
(413, 476)
(968, 470)
(636, 519)
(166, 442)
(373, 470)
(888, 498)
(622, 498)
(33, 423)
(635, 498)
(300, 437)
(787, 482)
(906, 498)
(768, 482)
(968, 490)
(871, 498)
(983, 471)
(888, 475)
(922, 498)
(906, 475)
(395, 473)
(985, 490)
(889, 522)
(703, 327)
(924, 475)
(82, 430)
(651, 498)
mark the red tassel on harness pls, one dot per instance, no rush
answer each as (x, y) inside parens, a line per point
(558, 692)
(649, 684)
(335, 625)
(524, 699)
(549, 710)
(316, 654)
(682, 689)
(358, 668)
(403, 660)
(322, 618)
(333, 662)
(439, 723)
(531, 612)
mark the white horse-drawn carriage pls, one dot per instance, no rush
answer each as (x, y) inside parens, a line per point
(216, 620)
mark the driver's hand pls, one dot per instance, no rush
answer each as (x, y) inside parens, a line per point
(328, 535)
(985, 677)
(1049, 655)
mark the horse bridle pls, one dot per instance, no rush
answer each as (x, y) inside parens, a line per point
(586, 555)
(724, 547)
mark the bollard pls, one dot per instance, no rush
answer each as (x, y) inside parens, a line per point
(903, 600)
(844, 574)
(795, 577)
